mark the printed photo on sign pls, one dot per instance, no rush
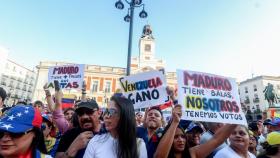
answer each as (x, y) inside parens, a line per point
(145, 89)
(210, 98)
(68, 76)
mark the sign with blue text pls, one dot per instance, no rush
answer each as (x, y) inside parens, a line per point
(145, 89)
(68, 76)
(209, 98)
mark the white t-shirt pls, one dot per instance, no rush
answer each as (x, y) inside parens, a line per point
(227, 152)
(101, 146)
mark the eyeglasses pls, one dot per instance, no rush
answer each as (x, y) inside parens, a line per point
(14, 135)
(87, 112)
(111, 112)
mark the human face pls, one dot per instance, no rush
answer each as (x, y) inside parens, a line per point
(68, 115)
(239, 138)
(88, 118)
(38, 106)
(179, 141)
(193, 137)
(139, 117)
(14, 146)
(154, 119)
(252, 142)
(111, 117)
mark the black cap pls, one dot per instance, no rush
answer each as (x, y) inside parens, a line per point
(88, 104)
(156, 108)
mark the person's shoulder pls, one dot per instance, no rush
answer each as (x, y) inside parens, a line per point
(223, 153)
(72, 132)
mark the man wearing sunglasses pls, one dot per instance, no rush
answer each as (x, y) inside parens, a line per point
(73, 143)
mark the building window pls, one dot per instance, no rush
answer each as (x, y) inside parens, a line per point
(246, 89)
(107, 87)
(147, 47)
(147, 58)
(94, 86)
(255, 88)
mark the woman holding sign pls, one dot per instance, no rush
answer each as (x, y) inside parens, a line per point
(173, 143)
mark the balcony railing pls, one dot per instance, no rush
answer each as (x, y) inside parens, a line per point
(3, 83)
(256, 100)
(247, 101)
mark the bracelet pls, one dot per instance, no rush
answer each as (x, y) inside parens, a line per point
(84, 93)
(67, 154)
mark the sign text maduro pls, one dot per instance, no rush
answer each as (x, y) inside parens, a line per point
(68, 76)
(145, 89)
(211, 98)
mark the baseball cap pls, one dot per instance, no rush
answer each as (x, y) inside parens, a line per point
(193, 126)
(273, 138)
(88, 104)
(274, 122)
(20, 118)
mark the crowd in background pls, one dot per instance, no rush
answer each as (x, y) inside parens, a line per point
(86, 130)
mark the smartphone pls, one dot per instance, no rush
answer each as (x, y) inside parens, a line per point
(56, 85)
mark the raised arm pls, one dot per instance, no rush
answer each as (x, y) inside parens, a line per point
(219, 137)
(166, 141)
(84, 93)
(50, 102)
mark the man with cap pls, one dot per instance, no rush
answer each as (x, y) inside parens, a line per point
(73, 143)
(193, 133)
(272, 146)
(273, 125)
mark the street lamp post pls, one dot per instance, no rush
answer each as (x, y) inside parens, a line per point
(129, 18)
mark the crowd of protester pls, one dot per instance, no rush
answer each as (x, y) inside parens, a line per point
(86, 130)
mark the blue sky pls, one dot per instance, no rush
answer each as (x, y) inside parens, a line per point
(227, 37)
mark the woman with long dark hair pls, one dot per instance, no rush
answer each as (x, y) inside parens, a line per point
(120, 141)
(173, 143)
(20, 133)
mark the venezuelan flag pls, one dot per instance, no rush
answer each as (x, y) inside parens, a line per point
(68, 100)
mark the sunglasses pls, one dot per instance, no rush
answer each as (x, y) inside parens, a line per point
(14, 135)
(110, 112)
(87, 112)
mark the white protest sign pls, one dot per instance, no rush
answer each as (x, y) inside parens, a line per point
(210, 98)
(145, 89)
(68, 76)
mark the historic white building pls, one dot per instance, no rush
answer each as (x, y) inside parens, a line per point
(17, 80)
(252, 91)
(103, 81)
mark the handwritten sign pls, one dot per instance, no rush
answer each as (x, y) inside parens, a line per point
(68, 76)
(210, 98)
(145, 89)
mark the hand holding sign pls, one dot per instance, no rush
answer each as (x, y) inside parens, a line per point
(177, 113)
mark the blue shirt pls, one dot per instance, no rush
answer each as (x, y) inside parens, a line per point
(152, 143)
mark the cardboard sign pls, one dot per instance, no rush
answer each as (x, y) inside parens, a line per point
(68, 76)
(145, 89)
(210, 98)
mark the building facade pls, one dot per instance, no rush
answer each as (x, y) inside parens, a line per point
(18, 81)
(252, 92)
(103, 81)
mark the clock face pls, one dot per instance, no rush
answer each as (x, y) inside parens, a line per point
(147, 47)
